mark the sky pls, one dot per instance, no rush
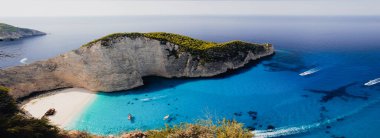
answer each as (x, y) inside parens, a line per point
(32, 8)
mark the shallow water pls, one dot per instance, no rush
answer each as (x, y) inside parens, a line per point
(332, 101)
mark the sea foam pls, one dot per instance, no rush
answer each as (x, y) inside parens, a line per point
(372, 82)
(23, 61)
(310, 71)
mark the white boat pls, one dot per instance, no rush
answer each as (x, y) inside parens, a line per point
(23, 61)
(153, 98)
(310, 71)
(372, 82)
(166, 117)
(130, 117)
(146, 99)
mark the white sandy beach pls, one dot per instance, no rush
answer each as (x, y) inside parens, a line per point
(68, 103)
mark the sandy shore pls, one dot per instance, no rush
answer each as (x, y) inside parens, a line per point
(68, 103)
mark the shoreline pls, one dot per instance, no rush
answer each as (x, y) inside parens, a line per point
(68, 103)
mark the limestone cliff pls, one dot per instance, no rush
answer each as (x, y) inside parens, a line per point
(9, 32)
(118, 62)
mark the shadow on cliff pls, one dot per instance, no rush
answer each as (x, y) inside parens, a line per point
(154, 83)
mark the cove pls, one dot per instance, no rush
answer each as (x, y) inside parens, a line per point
(344, 50)
(270, 93)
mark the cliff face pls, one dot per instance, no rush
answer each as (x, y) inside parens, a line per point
(8, 32)
(120, 65)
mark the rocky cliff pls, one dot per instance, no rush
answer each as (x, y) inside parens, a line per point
(9, 32)
(119, 61)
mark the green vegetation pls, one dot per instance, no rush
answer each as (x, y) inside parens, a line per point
(4, 89)
(108, 39)
(203, 129)
(180, 40)
(7, 104)
(7, 28)
(13, 124)
(207, 51)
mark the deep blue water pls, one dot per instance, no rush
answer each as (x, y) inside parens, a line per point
(330, 102)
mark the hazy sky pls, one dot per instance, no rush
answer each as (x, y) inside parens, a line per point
(187, 7)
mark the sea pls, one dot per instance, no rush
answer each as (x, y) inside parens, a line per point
(322, 81)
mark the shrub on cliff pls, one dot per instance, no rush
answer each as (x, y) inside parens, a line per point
(4, 89)
(13, 124)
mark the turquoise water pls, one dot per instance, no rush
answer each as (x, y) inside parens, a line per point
(279, 97)
(333, 101)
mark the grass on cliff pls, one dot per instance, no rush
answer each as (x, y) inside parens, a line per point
(180, 40)
(203, 129)
(183, 41)
(7, 28)
(14, 124)
(206, 51)
(200, 129)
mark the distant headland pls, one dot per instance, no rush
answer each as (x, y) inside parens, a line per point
(10, 33)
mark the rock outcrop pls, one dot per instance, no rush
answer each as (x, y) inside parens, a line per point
(118, 62)
(9, 32)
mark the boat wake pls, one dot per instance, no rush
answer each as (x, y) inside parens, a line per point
(285, 131)
(310, 71)
(23, 61)
(153, 98)
(372, 82)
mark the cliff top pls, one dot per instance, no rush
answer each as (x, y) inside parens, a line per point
(206, 51)
(183, 41)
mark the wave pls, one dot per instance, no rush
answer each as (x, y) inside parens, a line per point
(152, 98)
(285, 131)
(372, 82)
(283, 51)
(23, 61)
(310, 71)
